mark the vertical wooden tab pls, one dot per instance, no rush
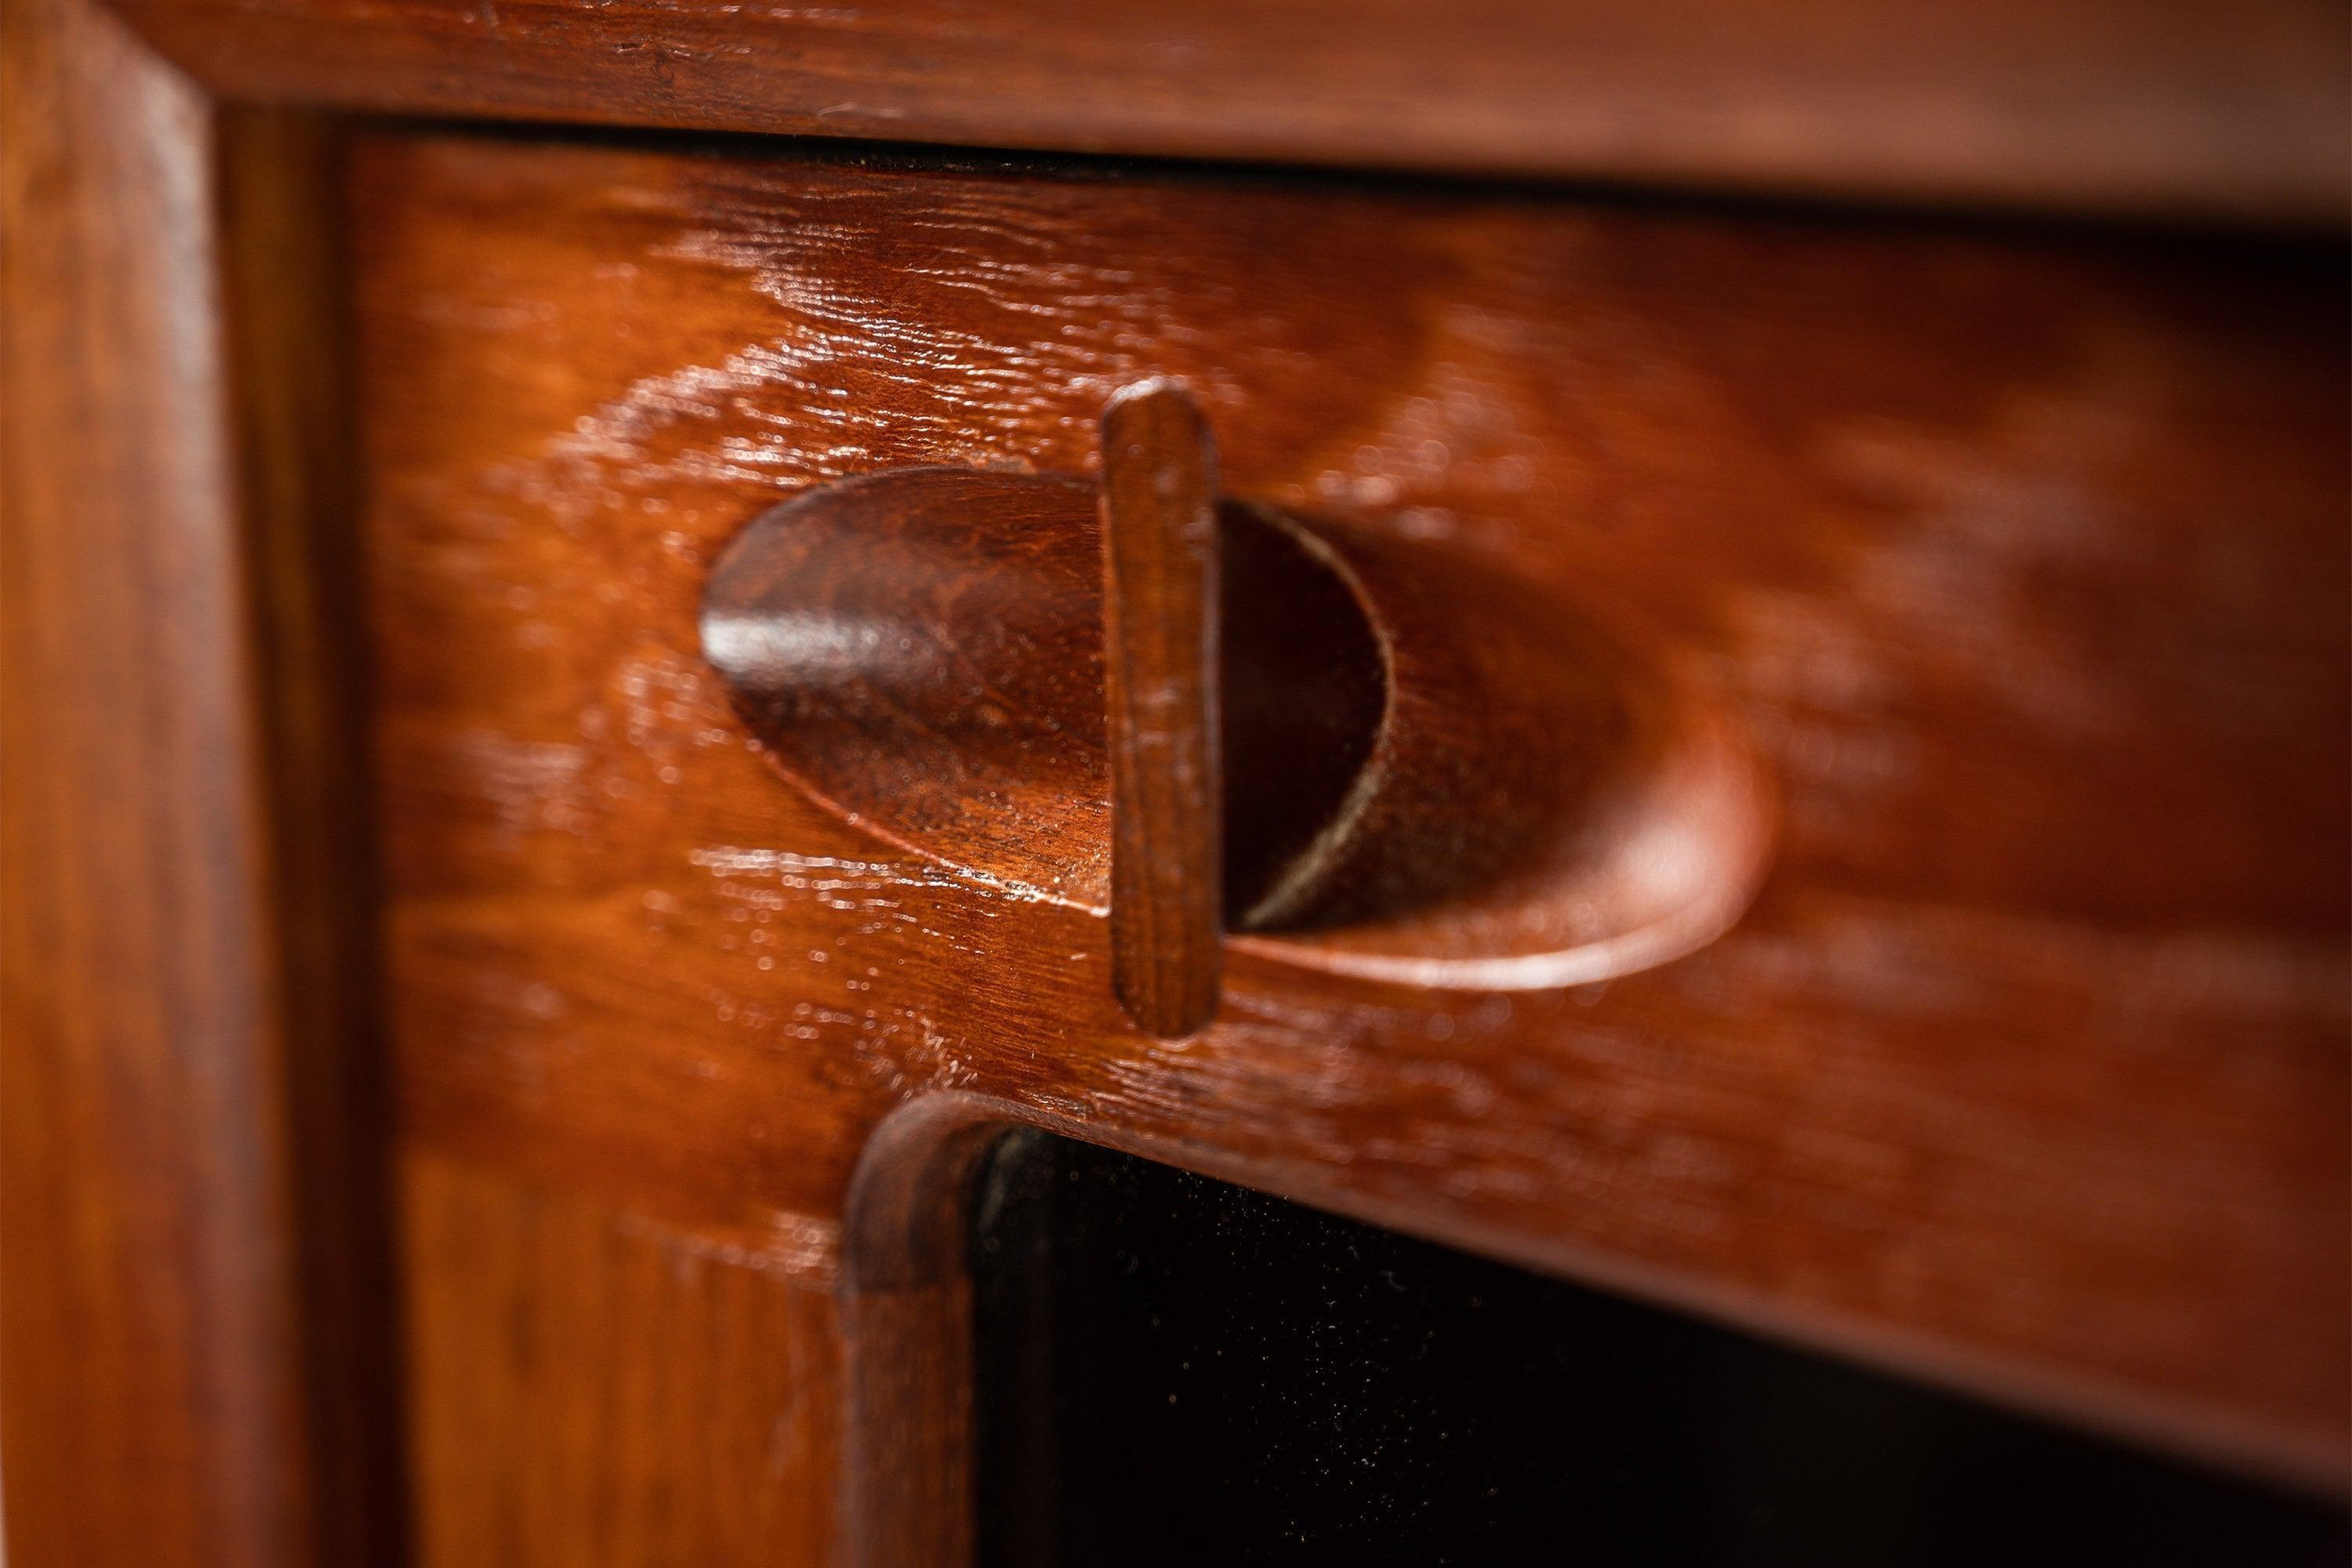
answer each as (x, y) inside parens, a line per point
(1159, 623)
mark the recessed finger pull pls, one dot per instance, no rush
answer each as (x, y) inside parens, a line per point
(1228, 727)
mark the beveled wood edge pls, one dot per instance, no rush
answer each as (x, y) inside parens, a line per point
(906, 1497)
(286, 297)
(2192, 110)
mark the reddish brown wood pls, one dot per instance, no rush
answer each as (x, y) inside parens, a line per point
(2020, 558)
(1160, 639)
(157, 1386)
(906, 1301)
(923, 651)
(284, 298)
(1430, 773)
(2220, 107)
(607, 1393)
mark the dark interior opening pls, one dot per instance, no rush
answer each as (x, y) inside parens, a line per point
(1172, 1370)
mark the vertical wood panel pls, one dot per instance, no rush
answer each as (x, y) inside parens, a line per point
(285, 305)
(149, 1406)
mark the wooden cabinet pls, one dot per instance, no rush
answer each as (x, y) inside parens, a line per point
(475, 1095)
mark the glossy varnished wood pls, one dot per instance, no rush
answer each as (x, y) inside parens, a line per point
(608, 1394)
(2023, 557)
(2204, 106)
(294, 431)
(165, 1396)
(1162, 686)
(1427, 773)
(2019, 556)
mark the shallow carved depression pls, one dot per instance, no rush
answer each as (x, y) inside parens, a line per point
(1430, 775)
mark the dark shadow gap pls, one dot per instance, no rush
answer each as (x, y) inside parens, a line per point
(1172, 1370)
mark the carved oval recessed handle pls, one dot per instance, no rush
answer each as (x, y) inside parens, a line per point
(1352, 752)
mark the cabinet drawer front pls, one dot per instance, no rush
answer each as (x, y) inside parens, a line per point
(2016, 557)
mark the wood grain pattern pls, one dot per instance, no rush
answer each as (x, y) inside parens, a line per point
(285, 299)
(906, 1305)
(152, 1390)
(1160, 688)
(608, 1394)
(2021, 556)
(1430, 774)
(2214, 106)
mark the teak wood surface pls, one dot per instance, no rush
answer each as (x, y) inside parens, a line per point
(2022, 555)
(147, 1387)
(1163, 694)
(2019, 557)
(194, 1366)
(2236, 108)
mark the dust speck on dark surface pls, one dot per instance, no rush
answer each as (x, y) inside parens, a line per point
(1172, 1370)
